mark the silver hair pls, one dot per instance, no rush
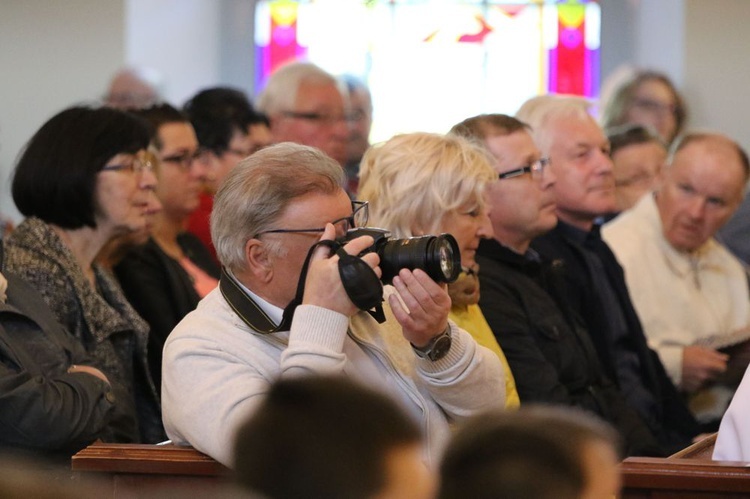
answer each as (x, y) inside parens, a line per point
(280, 91)
(538, 111)
(258, 190)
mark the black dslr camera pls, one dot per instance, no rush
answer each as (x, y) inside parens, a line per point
(438, 256)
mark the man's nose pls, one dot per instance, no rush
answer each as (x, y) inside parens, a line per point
(604, 162)
(696, 207)
(341, 128)
(148, 179)
(549, 177)
(200, 168)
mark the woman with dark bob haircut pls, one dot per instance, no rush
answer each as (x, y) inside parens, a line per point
(82, 180)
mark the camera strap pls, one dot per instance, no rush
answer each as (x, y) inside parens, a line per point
(361, 284)
(247, 310)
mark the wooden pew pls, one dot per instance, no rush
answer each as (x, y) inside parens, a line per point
(133, 470)
(689, 473)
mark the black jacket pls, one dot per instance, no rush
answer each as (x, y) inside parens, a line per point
(43, 408)
(672, 421)
(549, 352)
(161, 291)
(99, 317)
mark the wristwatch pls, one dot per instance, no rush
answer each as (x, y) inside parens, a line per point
(437, 348)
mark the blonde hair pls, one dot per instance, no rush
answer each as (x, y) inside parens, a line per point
(413, 180)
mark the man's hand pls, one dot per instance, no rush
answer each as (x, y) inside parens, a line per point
(428, 306)
(93, 371)
(701, 365)
(323, 286)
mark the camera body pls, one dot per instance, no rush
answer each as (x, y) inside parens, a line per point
(439, 256)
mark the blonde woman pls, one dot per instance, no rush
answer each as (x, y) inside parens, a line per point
(424, 183)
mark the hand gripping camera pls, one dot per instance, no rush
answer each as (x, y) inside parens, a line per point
(438, 256)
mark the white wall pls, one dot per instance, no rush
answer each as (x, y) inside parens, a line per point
(55, 53)
(717, 65)
(180, 39)
(700, 44)
(659, 35)
(52, 54)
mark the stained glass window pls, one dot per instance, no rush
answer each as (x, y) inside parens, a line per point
(433, 63)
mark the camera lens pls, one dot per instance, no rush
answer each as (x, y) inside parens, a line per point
(439, 256)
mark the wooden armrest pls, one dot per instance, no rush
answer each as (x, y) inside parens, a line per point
(702, 449)
(146, 459)
(685, 475)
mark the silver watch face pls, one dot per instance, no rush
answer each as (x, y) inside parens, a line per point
(440, 348)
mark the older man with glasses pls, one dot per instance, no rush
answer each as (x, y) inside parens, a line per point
(308, 106)
(549, 351)
(282, 310)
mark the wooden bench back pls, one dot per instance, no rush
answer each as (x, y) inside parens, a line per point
(689, 474)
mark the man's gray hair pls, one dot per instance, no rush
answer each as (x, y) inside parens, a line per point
(280, 92)
(538, 111)
(258, 190)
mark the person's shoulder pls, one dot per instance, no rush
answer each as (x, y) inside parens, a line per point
(147, 258)
(197, 251)
(554, 245)
(728, 258)
(626, 232)
(213, 320)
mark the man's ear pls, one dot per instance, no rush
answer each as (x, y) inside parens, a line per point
(257, 260)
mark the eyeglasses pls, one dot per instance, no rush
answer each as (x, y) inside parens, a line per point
(536, 169)
(358, 218)
(184, 161)
(654, 106)
(321, 118)
(135, 166)
(357, 115)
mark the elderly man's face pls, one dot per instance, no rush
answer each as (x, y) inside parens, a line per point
(317, 119)
(312, 210)
(585, 187)
(521, 207)
(699, 192)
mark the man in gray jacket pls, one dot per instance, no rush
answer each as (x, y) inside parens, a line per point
(222, 358)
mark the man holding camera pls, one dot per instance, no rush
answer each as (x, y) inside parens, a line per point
(222, 358)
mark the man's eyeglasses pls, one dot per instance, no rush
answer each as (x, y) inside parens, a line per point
(358, 218)
(321, 118)
(135, 166)
(536, 169)
(184, 161)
